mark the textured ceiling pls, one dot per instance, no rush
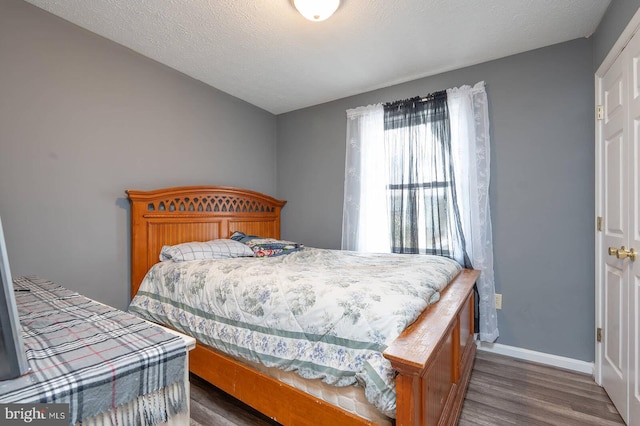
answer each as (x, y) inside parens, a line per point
(264, 52)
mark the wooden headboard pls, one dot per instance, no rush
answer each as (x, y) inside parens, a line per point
(194, 213)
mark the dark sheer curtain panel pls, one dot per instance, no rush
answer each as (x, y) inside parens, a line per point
(421, 189)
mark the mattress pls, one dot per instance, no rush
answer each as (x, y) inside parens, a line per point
(349, 398)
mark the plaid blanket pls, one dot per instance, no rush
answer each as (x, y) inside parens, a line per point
(94, 357)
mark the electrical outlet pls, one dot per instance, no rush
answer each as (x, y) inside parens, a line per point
(498, 301)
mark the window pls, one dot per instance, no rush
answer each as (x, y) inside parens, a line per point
(423, 216)
(414, 186)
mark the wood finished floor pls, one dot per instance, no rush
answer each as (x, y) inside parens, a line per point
(508, 391)
(503, 391)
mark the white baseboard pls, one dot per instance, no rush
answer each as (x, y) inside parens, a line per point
(539, 357)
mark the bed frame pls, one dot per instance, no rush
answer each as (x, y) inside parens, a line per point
(434, 356)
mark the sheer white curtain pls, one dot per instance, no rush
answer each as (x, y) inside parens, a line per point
(469, 120)
(365, 225)
(365, 199)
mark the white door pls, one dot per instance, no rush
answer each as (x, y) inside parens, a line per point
(615, 272)
(617, 199)
(633, 154)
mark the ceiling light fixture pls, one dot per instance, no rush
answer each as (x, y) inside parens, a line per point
(316, 10)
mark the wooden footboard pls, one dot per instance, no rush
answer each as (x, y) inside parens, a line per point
(433, 357)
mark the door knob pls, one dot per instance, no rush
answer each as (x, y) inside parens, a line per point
(623, 253)
(613, 251)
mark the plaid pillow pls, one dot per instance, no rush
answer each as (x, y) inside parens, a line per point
(214, 249)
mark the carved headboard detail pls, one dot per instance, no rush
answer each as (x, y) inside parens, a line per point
(211, 203)
(194, 213)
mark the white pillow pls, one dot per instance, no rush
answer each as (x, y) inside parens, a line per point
(214, 249)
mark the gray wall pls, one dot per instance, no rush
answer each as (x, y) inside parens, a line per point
(613, 23)
(542, 179)
(81, 120)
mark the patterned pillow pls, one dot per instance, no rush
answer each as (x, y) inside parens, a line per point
(214, 249)
(242, 237)
(265, 247)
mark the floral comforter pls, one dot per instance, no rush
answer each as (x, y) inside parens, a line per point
(326, 314)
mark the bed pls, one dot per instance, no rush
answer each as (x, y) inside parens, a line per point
(433, 357)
